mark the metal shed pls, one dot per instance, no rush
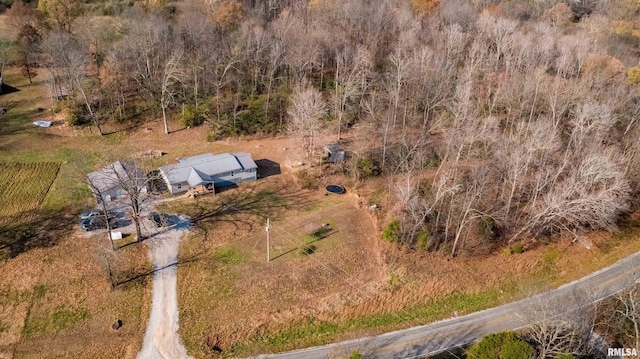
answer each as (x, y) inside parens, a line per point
(334, 153)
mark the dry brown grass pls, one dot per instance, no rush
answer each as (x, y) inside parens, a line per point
(58, 302)
(231, 293)
(231, 297)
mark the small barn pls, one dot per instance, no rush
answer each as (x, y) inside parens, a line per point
(203, 173)
(334, 153)
(109, 183)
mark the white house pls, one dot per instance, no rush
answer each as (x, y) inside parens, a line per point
(207, 171)
(109, 182)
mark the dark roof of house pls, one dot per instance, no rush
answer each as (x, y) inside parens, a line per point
(333, 148)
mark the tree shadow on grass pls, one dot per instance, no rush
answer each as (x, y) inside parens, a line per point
(28, 230)
(247, 208)
(132, 276)
(308, 247)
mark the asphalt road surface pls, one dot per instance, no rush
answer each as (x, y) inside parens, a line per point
(451, 333)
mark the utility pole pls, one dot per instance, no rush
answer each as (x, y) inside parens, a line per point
(267, 229)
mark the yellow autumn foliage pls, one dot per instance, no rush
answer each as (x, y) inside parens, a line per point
(633, 75)
(425, 7)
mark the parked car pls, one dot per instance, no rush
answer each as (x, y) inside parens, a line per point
(92, 213)
(98, 222)
(95, 213)
(157, 218)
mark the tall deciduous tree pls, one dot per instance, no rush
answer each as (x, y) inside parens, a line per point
(305, 116)
(60, 13)
(171, 77)
(28, 40)
(19, 15)
(150, 56)
(352, 69)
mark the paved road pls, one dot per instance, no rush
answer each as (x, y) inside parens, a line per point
(451, 333)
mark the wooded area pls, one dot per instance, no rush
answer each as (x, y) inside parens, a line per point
(493, 120)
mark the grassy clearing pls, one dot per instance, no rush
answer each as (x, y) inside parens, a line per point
(56, 296)
(228, 292)
(314, 332)
(247, 306)
(70, 305)
(23, 188)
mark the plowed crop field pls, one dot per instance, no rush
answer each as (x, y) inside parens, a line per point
(23, 188)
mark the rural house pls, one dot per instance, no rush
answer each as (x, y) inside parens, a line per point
(110, 182)
(202, 173)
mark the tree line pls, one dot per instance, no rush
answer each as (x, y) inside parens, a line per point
(492, 121)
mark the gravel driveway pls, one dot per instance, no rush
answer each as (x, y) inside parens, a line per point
(161, 340)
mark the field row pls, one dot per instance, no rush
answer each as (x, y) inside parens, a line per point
(23, 188)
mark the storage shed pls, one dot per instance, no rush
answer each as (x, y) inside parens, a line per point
(334, 153)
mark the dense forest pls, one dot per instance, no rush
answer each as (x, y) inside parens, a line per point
(494, 121)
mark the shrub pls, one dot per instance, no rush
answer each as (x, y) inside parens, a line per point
(423, 239)
(252, 117)
(76, 118)
(517, 349)
(308, 180)
(73, 120)
(392, 232)
(517, 248)
(633, 75)
(192, 116)
(308, 249)
(77, 115)
(505, 345)
(564, 356)
(488, 226)
(425, 187)
(367, 167)
(355, 354)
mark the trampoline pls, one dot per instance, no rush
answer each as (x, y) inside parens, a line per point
(334, 188)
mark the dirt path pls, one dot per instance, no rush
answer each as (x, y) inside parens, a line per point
(161, 340)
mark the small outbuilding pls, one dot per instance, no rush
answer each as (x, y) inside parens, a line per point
(334, 153)
(203, 173)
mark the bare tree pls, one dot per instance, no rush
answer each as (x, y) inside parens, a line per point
(28, 41)
(497, 30)
(150, 58)
(352, 69)
(561, 326)
(19, 15)
(626, 315)
(171, 76)
(95, 188)
(305, 113)
(67, 55)
(128, 178)
(5, 47)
